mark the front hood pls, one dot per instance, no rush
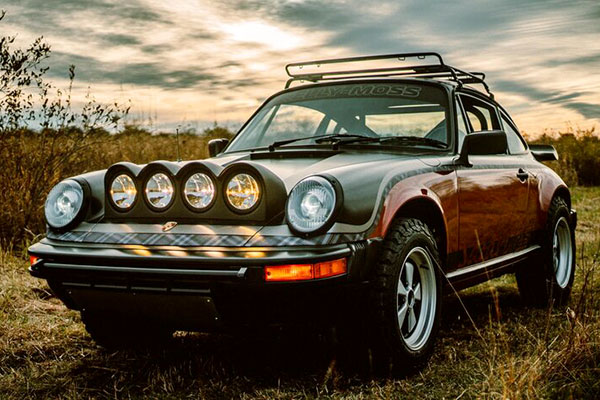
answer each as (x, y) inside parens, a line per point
(363, 176)
(293, 166)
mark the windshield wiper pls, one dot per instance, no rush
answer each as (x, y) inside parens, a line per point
(318, 139)
(415, 140)
(387, 139)
(336, 139)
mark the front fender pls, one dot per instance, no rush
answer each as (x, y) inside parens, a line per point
(430, 196)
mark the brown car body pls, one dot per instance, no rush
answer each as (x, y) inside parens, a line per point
(484, 213)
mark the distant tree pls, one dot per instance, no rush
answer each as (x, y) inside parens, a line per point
(578, 155)
(216, 132)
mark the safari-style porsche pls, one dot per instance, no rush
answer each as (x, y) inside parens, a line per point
(359, 194)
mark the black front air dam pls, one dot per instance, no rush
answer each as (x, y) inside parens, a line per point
(199, 291)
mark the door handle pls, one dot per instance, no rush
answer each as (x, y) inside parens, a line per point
(522, 175)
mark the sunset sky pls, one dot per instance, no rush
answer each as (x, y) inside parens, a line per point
(190, 63)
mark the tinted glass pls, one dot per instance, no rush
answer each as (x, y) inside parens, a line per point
(374, 110)
(462, 126)
(515, 144)
(482, 115)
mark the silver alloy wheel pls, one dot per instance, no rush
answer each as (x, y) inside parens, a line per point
(562, 252)
(417, 298)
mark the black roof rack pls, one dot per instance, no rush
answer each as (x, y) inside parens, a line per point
(422, 68)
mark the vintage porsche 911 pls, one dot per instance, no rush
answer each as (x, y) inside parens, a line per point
(358, 195)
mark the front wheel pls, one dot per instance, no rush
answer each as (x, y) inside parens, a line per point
(548, 280)
(407, 297)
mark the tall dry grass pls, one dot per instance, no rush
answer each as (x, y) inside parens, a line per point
(31, 166)
(517, 353)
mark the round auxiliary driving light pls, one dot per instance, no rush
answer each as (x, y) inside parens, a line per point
(242, 192)
(123, 192)
(199, 191)
(159, 191)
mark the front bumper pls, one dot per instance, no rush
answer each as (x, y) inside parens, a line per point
(198, 288)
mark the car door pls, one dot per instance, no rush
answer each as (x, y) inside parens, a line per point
(518, 150)
(492, 193)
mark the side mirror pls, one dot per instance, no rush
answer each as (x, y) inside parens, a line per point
(482, 144)
(543, 152)
(216, 146)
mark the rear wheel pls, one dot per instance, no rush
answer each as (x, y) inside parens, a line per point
(407, 298)
(115, 332)
(550, 277)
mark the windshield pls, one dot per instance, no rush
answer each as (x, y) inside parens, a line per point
(377, 110)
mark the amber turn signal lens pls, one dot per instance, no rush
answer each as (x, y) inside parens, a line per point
(330, 268)
(293, 272)
(33, 260)
(302, 272)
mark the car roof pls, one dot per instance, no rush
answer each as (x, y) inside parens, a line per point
(452, 85)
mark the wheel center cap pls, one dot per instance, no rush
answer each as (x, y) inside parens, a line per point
(410, 297)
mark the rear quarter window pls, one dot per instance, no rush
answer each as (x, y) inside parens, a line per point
(482, 115)
(515, 143)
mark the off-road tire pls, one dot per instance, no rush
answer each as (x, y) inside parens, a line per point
(390, 351)
(537, 279)
(114, 332)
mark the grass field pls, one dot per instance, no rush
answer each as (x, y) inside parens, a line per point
(515, 353)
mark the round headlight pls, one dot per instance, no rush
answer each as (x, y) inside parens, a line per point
(63, 203)
(310, 204)
(123, 191)
(243, 192)
(199, 191)
(159, 190)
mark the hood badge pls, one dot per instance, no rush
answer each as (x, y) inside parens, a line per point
(168, 226)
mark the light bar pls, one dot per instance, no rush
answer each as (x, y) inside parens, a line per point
(303, 272)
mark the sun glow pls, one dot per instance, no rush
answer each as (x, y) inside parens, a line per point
(262, 33)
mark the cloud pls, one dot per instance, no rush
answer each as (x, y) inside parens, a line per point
(143, 74)
(55, 10)
(591, 60)
(562, 98)
(120, 39)
(588, 110)
(536, 53)
(156, 48)
(585, 109)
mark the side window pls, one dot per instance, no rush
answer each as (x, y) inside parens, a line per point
(481, 115)
(462, 126)
(515, 144)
